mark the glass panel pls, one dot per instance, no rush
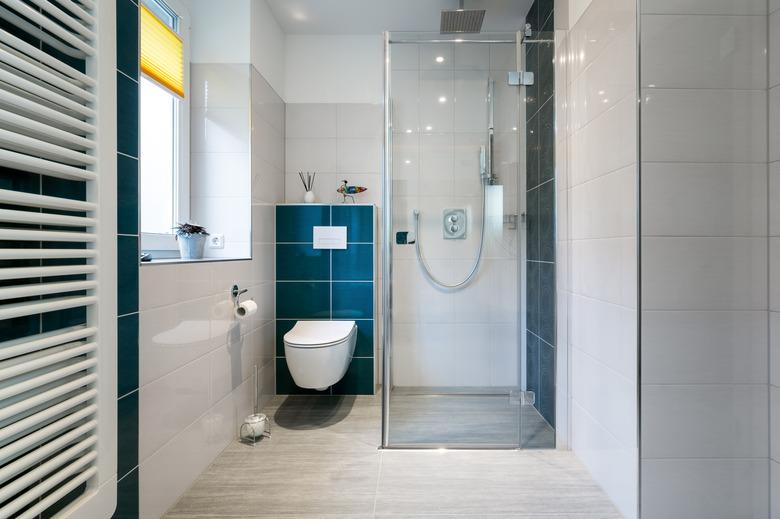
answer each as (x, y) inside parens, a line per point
(456, 357)
(157, 158)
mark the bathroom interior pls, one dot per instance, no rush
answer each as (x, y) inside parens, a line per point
(390, 258)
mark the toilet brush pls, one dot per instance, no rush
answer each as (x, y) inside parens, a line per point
(256, 425)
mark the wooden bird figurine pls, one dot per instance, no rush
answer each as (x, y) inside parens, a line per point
(348, 191)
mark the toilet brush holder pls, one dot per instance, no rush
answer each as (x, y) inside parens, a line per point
(255, 427)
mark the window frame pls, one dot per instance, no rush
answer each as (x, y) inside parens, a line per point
(164, 244)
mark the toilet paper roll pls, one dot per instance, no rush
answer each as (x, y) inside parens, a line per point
(246, 309)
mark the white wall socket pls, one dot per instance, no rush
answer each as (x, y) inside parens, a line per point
(216, 241)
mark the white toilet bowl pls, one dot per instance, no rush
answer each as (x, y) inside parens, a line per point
(318, 353)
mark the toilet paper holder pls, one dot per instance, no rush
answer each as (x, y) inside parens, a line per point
(236, 293)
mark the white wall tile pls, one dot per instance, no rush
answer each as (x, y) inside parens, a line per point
(704, 273)
(219, 85)
(405, 57)
(429, 54)
(774, 199)
(774, 348)
(674, 344)
(161, 284)
(694, 51)
(360, 121)
(606, 395)
(435, 115)
(215, 130)
(606, 144)
(359, 156)
(471, 57)
(774, 489)
(172, 336)
(405, 87)
(774, 421)
(311, 121)
(606, 206)
(318, 155)
(613, 465)
(169, 404)
(220, 174)
(774, 49)
(710, 421)
(168, 473)
(774, 274)
(605, 269)
(774, 124)
(704, 199)
(703, 126)
(711, 488)
(502, 57)
(605, 332)
(752, 7)
(469, 106)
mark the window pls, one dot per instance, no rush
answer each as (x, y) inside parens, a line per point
(164, 125)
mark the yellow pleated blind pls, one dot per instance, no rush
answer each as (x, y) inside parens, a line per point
(162, 53)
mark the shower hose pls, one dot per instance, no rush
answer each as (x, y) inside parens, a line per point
(427, 270)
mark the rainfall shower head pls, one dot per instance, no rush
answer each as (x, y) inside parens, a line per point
(455, 21)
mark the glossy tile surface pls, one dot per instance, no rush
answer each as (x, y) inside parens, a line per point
(322, 462)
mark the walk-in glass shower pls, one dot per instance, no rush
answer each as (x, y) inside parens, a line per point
(469, 282)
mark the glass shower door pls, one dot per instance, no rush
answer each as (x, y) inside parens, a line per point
(456, 370)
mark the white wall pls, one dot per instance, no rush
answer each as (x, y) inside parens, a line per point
(220, 31)
(704, 259)
(267, 52)
(333, 69)
(597, 223)
(774, 257)
(196, 361)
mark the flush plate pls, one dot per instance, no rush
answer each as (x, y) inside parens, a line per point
(454, 224)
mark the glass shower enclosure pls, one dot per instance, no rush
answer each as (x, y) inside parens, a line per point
(463, 363)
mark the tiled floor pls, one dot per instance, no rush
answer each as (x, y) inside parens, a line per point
(452, 419)
(323, 462)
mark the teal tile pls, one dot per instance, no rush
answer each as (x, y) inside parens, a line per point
(285, 385)
(282, 326)
(532, 295)
(302, 300)
(127, 434)
(127, 115)
(294, 223)
(365, 339)
(64, 188)
(358, 380)
(532, 153)
(127, 195)
(359, 220)
(532, 223)
(127, 274)
(127, 497)
(127, 354)
(546, 221)
(19, 327)
(353, 300)
(532, 91)
(546, 395)
(532, 363)
(355, 263)
(64, 501)
(302, 262)
(63, 318)
(546, 118)
(547, 302)
(127, 37)
(15, 180)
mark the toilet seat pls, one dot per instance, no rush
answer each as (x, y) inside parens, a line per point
(318, 334)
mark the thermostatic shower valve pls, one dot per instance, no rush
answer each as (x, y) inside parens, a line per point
(454, 224)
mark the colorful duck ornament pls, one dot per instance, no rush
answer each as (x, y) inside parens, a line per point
(348, 191)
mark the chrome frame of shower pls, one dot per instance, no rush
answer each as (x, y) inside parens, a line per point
(386, 252)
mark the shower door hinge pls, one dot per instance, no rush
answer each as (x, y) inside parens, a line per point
(520, 78)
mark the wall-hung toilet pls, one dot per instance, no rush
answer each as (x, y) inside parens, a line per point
(318, 353)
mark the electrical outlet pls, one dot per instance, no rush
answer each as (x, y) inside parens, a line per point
(217, 241)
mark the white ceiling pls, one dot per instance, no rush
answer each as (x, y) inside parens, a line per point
(376, 16)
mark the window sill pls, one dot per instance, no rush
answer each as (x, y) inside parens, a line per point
(169, 261)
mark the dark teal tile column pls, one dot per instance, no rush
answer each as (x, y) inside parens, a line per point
(326, 284)
(127, 20)
(540, 204)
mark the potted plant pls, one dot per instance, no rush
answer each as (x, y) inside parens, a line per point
(191, 240)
